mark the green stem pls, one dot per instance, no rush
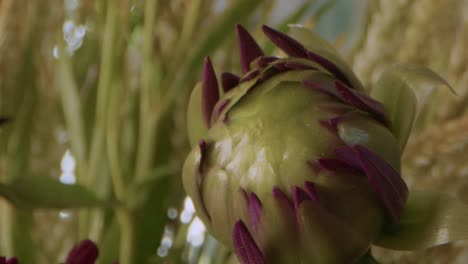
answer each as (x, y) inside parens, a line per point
(97, 143)
(147, 118)
(71, 107)
(127, 238)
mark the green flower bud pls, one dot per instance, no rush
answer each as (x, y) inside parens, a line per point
(295, 163)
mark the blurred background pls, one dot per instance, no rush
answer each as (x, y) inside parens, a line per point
(93, 97)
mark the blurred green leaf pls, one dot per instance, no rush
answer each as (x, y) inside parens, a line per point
(429, 219)
(46, 192)
(406, 91)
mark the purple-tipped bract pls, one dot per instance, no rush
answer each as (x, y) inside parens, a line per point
(289, 45)
(255, 210)
(249, 49)
(210, 91)
(246, 249)
(229, 81)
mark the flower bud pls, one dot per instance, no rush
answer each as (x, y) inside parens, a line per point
(297, 163)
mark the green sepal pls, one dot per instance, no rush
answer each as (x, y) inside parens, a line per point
(313, 42)
(196, 128)
(406, 91)
(429, 219)
(46, 192)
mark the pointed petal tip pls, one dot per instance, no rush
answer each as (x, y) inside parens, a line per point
(386, 181)
(299, 196)
(229, 81)
(329, 66)
(289, 45)
(311, 190)
(361, 101)
(255, 210)
(248, 48)
(245, 247)
(210, 93)
(347, 155)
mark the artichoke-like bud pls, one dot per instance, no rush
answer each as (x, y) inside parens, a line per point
(294, 162)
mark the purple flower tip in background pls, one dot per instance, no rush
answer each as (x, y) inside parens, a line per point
(4, 260)
(86, 252)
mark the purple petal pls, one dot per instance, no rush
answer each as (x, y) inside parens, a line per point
(268, 74)
(283, 201)
(255, 210)
(361, 101)
(330, 164)
(298, 66)
(4, 260)
(264, 61)
(220, 107)
(289, 45)
(299, 196)
(210, 92)
(348, 156)
(249, 49)
(329, 66)
(324, 88)
(229, 81)
(11, 261)
(309, 188)
(386, 181)
(249, 76)
(245, 247)
(86, 252)
(281, 67)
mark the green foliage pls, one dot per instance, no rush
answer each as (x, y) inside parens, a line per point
(429, 219)
(45, 192)
(406, 91)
